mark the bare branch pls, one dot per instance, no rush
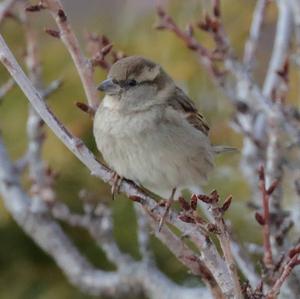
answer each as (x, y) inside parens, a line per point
(42, 180)
(205, 56)
(265, 220)
(255, 30)
(224, 237)
(45, 232)
(100, 226)
(275, 87)
(83, 66)
(6, 87)
(281, 46)
(99, 47)
(188, 258)
(275, 290)
(51, 88)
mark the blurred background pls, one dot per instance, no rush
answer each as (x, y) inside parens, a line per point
(130, 26)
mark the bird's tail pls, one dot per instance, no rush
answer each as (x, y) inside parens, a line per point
(220, 149)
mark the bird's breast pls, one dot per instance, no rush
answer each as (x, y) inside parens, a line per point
(158, 154)
(122, 138)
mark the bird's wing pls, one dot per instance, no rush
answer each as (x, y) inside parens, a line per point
(181, 102)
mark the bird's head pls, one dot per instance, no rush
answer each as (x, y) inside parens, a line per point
(136, 83)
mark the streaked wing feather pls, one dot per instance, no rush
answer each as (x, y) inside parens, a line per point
(181, 102)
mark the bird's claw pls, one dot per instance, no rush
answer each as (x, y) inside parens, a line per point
(167, 204)
(116, 184)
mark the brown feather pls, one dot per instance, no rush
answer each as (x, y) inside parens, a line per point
(181, 102)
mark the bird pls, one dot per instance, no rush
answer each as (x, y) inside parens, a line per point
(149, 131)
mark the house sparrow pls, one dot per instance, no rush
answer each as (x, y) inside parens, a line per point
(149, 131)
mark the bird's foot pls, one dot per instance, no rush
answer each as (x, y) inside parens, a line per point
(162, 220)
(116, 183)
(167, 204)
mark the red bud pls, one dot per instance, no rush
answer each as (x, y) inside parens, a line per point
(187, 219)
(194, 201)
(259, 218)
(53, 33)
(184, 204)
(226, 203)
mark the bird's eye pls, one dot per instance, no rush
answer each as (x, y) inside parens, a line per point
(132, 82)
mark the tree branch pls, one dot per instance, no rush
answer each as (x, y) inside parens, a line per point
(281, 46)
(83, 65)
(50, 237)
(254, 35)
(6, 87)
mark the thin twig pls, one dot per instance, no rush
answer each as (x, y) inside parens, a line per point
(51, 88)
(100, 226)
(42, 180)
(268, 256)
(6, 87)
(223, 235)
(274, 292)
(273, 120)
(228, 255)
(186, 256)
(83, 66)
(281, 46)
(255, 31)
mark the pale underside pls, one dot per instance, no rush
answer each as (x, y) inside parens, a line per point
(159, 151)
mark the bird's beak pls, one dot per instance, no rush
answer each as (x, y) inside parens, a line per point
(109, 87)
